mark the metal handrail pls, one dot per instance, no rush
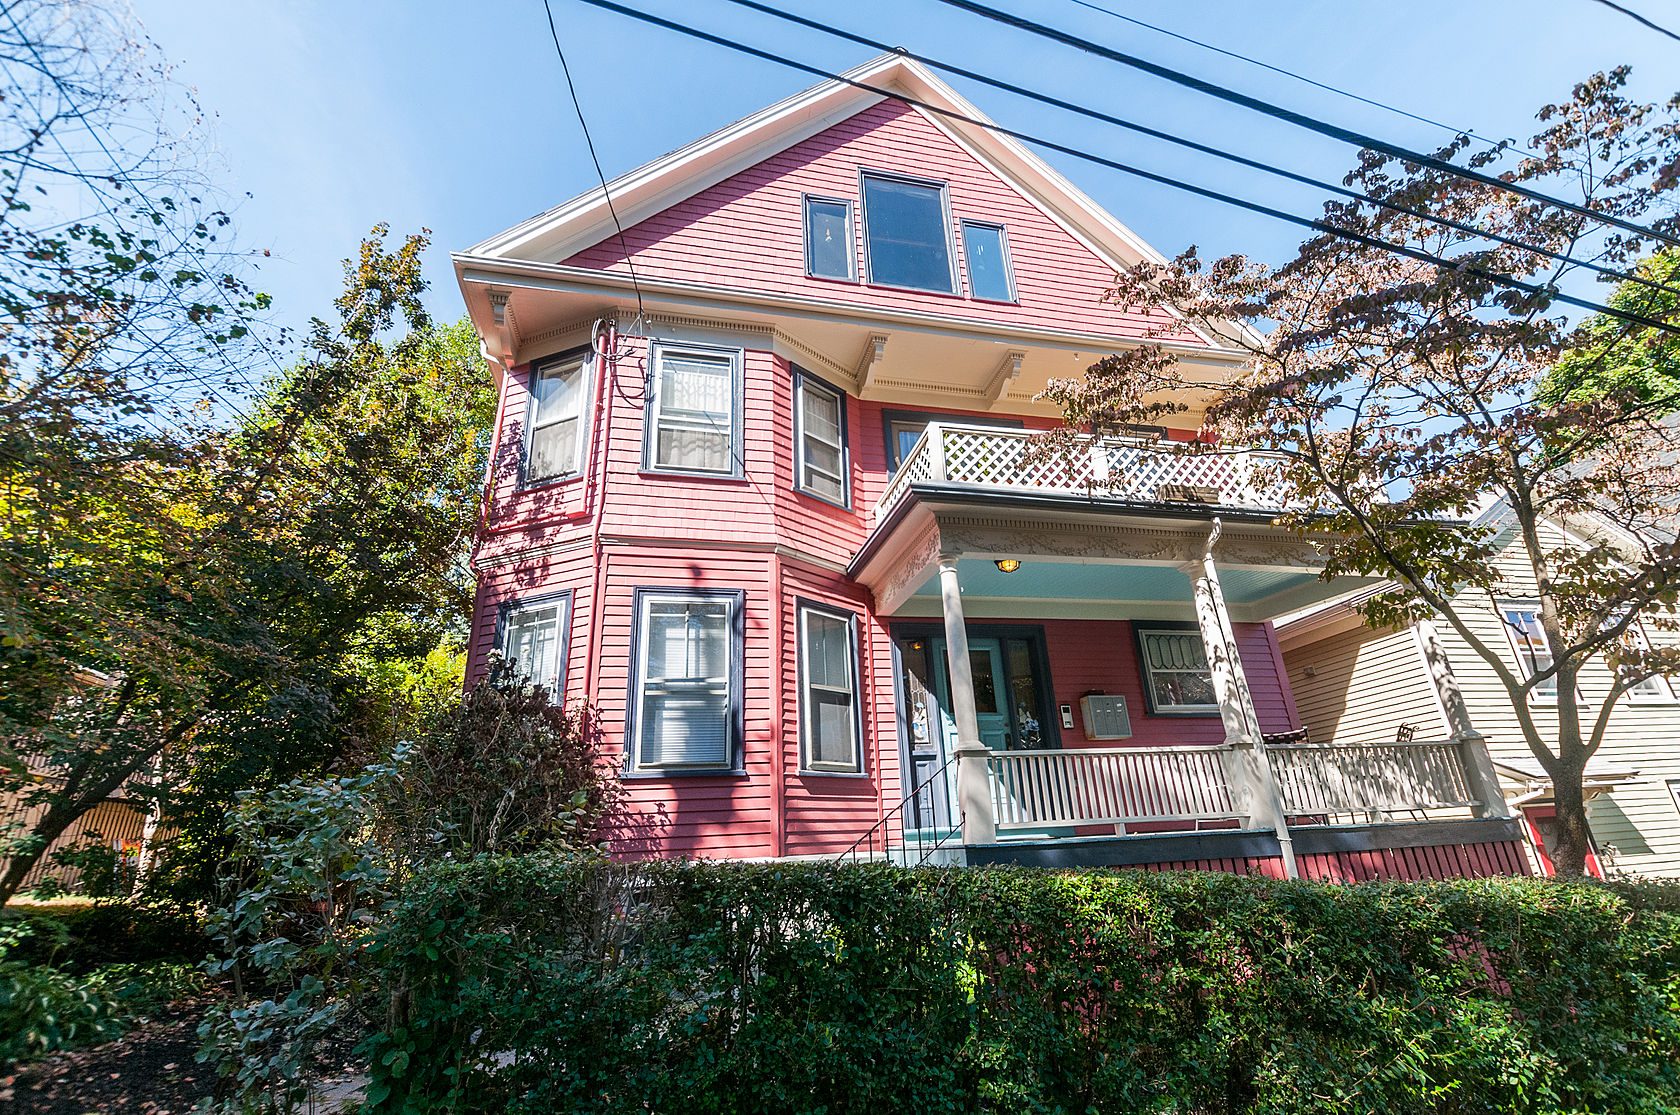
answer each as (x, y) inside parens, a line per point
(897, 810)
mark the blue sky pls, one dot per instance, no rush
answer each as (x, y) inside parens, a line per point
(335, 116)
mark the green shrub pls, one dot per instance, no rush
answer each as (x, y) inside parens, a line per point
(79, 937)
(544, 984)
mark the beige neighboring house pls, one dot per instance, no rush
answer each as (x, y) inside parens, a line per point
(1354, 684)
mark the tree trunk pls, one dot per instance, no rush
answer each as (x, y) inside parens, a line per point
(1574, 838)
(52, 825)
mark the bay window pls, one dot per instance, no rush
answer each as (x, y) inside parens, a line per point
(694, 414)
(555, 419)
(820, 465)
(532, 634)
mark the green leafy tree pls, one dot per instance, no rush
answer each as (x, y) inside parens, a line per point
(1640, 365)
(1399, 393)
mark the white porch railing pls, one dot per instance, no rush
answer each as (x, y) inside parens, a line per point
(1371, 778)
(1112, 786)
(1033, 790)
(990, 457)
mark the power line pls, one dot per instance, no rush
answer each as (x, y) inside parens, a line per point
(1633, 15)
(1334, 131)
(1154, 133)
(596, 159)
(1274, 69)
(1151, 176)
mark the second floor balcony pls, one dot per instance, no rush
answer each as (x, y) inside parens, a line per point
(1117, 471)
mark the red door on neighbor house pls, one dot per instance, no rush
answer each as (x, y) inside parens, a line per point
(1541, 823)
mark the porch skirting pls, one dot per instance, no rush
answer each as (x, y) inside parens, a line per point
(1342, 853)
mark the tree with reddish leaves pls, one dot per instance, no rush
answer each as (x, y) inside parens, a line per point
(1401, 396)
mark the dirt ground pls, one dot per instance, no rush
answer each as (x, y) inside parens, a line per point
(149, 1071)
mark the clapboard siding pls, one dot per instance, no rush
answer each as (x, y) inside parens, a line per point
(747, 231)
(1359, 686)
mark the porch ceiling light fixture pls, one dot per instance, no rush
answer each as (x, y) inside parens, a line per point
(1007, 565)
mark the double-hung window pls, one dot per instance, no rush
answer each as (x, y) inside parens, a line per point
(989, 273)
(554, 445)
(685, 705)
(907, 231)
(1528, 640)
(533, 635)
(694, 416)
(1652, 689)
(1176, 678)
(828, 238)
(820, 467)
(828, 691)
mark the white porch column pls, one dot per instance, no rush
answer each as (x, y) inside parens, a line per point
(974, 789)
(1472, 748)
(1236, 702)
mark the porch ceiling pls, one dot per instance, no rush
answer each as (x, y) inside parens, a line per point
(1054, 588)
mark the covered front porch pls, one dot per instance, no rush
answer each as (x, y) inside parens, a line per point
(1086, 676)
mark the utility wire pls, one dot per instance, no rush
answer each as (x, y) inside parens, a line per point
(1334, 131)
(1165, 180)
(641, 316)
(1253, 164)
(1274, 69)
(1633, 15)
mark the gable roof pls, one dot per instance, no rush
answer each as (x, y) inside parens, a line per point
(586, 220)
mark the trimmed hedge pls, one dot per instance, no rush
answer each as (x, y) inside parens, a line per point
(539, 985)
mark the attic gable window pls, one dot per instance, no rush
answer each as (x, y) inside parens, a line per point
(828, 239)
(907, 232)
(989, 274)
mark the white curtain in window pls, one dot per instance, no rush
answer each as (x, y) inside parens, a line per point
(685, 683)
(823, 454)
(696, 412)
(556, 421)
(533, 639)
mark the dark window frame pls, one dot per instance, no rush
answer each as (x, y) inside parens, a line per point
(1038, 648)
(1139, 629)
(508, 608)
(800, 378)
(851, 275)
(632, 766)
(585, 355)
(954, 290)
(1014, 298)
(888, 417)
(860, 769)
(651, 411)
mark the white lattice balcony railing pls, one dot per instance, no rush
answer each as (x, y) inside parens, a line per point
(1112, 786)
(1371, 778)
(991, 458)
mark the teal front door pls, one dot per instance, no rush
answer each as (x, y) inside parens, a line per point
(991, 689)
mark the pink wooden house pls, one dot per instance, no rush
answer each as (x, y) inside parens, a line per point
(761, 490)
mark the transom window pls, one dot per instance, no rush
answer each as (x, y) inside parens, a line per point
(686, 711)
(828, 238)
(1528, 639)
(820, 413)
(694, 419)
(907, 233)
(828, 699)
(1176, 677)
(533, 636)
(554, 447)
(989, 273)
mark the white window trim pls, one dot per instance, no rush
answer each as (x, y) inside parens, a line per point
(563, 643)
(1147, 672)
(801, 380)
(851, 275)
(585, 362)
(1535, 697)
(855, 768)
(650, 427)
(1665, 687)
(1673, 785)
(643, 599)
(1008, 262)
(864, 174)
